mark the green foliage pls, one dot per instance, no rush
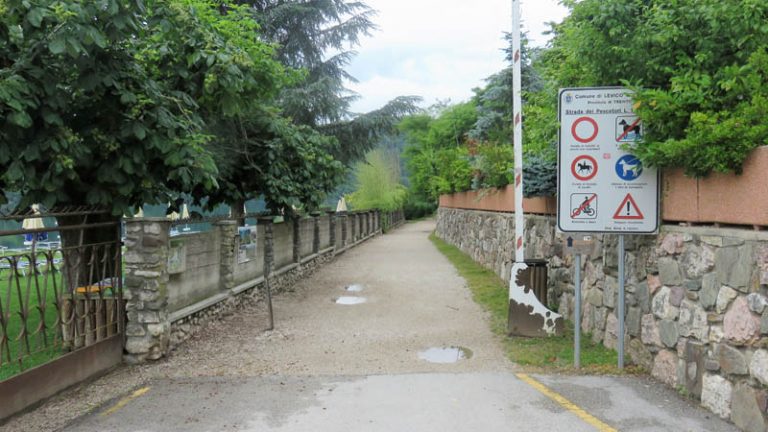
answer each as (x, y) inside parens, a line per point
(416, 207)
(717, 138)
(451, 127)
(121, 103)
(433, 172)
(85, 119)
(437, 160)
(697, 66)
(362, 133)
(305, 33)
(540, 176)
(317, 37)
(494, 100)
(378, 183)
(288, 165)
(495, 165)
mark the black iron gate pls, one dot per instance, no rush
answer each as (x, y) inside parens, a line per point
(61, 304)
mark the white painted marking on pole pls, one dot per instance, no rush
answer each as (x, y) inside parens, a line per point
(518, 294)
(518, 133)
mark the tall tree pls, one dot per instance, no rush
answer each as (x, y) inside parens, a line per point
(317, 36)
(85, 119)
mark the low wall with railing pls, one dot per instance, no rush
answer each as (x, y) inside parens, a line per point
(176, 283)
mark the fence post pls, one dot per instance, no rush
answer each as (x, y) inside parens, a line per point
(269, 260)
(296, 220)
(316, 241)
(343, 220)
(148, 328)
(332, 228)
(228, 238)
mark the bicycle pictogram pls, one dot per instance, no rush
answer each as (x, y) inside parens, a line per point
(583, 206)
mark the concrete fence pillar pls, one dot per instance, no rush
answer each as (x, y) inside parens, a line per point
(332, 227)
(228, 236)
(351, 223)
(296, 220)
(343, 221)
(148, 328)
(269, 244)
(316, 232)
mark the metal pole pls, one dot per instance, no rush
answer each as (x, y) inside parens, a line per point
(517, 108)
(577, 314)
(621, 302)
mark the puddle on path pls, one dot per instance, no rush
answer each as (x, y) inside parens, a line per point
(354, 288)
(349, 300)
(445, 354)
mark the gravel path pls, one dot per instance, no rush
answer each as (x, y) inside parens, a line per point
(414, 300)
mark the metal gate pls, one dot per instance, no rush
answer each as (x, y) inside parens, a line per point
(61, 305)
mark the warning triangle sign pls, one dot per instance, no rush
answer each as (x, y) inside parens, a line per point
(628, 210)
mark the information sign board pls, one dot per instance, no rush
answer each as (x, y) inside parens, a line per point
(602, 187)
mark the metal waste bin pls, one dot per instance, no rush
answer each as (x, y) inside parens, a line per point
(525, 317)
(537, 278)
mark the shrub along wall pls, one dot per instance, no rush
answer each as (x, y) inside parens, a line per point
(696, 305)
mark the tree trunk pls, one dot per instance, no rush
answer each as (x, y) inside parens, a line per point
(238, 211)
(90, 253)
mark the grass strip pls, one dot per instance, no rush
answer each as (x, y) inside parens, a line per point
(535, 354)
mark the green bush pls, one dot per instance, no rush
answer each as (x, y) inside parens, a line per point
(495, 164)
(416, 207)
(698, 67)
(378, 183)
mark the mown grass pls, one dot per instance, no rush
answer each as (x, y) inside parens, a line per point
(37, 348)
(545, 354)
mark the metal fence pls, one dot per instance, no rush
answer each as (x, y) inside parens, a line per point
(61, 291)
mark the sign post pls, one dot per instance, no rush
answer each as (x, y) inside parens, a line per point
(602, 188)
(578, 244)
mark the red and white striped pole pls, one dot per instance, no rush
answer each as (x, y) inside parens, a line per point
(517, 106)
(528, 315)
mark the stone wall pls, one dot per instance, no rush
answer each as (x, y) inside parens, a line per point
(696, 305)
(170, 292)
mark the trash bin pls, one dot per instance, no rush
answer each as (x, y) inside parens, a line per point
(525, 318)
(537, 278)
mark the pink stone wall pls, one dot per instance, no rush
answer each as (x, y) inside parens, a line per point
(719, 198)
(498, 200)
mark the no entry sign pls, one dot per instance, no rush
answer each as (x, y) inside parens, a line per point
(601, 187)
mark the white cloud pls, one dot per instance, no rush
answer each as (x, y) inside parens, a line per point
(438, 49)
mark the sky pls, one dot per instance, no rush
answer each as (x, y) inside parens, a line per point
(439, 49)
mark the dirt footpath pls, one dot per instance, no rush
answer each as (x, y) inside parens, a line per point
(414, 300)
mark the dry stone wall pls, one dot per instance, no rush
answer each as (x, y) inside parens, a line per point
(696, 301)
